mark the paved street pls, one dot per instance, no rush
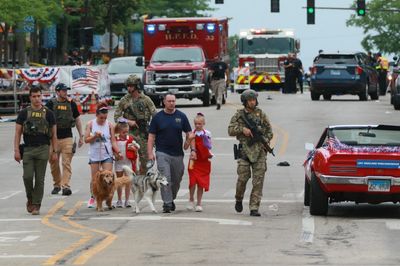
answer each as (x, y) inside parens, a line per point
(68, 233)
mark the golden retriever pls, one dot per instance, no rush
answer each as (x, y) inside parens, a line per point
(104, 185)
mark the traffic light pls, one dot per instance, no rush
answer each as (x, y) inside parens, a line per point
(219, 1)
(274, 6)
(361, 7)
(310, 11)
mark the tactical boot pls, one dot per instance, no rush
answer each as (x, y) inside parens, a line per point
(239, 206)
(66, 191)
(55, 190)
(254, 213)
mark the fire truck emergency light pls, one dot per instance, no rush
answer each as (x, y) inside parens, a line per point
(210, 27)
(151, 28)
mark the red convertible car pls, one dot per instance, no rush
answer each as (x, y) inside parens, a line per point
(353, 163)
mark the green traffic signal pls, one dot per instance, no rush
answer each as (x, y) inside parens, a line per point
(310, 10)
(361, 12)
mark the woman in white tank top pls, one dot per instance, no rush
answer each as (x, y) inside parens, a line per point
(100, 135)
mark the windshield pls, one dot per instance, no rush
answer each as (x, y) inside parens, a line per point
(282, 45)
(124, 66)
(178, 55)
(367, 136)
(336, 59)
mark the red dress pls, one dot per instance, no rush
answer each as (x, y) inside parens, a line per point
(199, 173)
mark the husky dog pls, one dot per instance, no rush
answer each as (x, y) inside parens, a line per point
(145, 186)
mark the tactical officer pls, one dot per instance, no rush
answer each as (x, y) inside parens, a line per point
(67, 116)
(252, 129)
(38, 126)
(138, 109)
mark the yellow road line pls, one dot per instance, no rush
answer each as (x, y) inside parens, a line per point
(46, 221)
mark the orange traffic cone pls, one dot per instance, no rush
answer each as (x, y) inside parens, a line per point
(92, 106)
(78, 102)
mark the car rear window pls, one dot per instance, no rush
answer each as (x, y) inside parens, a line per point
(367, 136)
(336, 59)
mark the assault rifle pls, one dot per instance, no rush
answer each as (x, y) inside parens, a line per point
(257, 134)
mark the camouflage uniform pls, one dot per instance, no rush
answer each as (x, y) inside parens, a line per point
(253, 157)
(140, 110)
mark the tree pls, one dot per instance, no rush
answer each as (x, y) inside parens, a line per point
(381, 26)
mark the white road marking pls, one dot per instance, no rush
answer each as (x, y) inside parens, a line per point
(393, 225)
(273, 207)
(8, 194)
(307, 232)
(20, 220)
(159, 218)
(223, 138)
(230, 193)
(183, 192)
(231, 201)
(20, 256)
(29, 238)
(17, 232)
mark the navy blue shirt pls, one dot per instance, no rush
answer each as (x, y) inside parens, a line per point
(168, 130)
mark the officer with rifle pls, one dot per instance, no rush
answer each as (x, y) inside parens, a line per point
(139, 110)
(252, 129)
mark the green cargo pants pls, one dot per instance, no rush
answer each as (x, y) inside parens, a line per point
(34, 164)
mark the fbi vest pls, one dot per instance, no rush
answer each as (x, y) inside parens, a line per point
(63, 113)
(36, 122)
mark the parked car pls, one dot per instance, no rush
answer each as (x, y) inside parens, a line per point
(119, 69)
(353, 163)
(394, 84)
(343, 73)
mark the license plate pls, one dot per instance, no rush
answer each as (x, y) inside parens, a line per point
(379, 185)
(335, 72)
(242, 87)
(173, 90)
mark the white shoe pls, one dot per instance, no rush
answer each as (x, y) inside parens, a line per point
(91, 203)
(199, 208)
(119, 204)
(190, 206)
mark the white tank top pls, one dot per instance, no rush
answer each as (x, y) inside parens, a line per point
(97, 149)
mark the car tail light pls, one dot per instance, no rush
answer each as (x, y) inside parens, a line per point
(359, 70)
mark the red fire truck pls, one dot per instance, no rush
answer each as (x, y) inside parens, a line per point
(178, 53)
(261, 56)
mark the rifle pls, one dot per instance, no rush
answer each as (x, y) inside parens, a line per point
(257, 134)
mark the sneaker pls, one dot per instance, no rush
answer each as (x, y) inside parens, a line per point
(35, 209)
(29, 206)
(254, 213)
(66, 191)
(119, 204)
(173, 207)
(91, 203)
(238, 206)
(199, 208)
(127, 204)
(190, 206)
(55, 190)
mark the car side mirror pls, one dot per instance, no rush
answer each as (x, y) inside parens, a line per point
(139, 61)
(309, 146)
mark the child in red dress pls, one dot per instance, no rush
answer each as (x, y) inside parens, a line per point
(199, 164)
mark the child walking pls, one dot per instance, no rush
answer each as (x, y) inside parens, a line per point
(199, 165)
(128, 156)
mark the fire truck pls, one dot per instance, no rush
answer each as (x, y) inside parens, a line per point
(178, 53)
(262, 53)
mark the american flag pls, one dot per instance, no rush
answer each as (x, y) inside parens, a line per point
(84, 77)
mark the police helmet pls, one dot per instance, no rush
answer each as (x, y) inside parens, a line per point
(247, 95)
(133, 80)
(62, 86)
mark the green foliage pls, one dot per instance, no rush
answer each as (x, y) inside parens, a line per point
(381, 26)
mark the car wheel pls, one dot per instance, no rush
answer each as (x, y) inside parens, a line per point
(306, 192)
(315, 96)
(396, 103)
(318, 198)
(327, 97)
(364, 93)
(206, 97)
(374, 95)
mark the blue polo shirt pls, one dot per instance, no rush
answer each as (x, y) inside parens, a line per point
(168, 129)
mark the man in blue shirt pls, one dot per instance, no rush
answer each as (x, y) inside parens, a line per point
(165, 132)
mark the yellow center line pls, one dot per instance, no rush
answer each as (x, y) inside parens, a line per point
(46, 221)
